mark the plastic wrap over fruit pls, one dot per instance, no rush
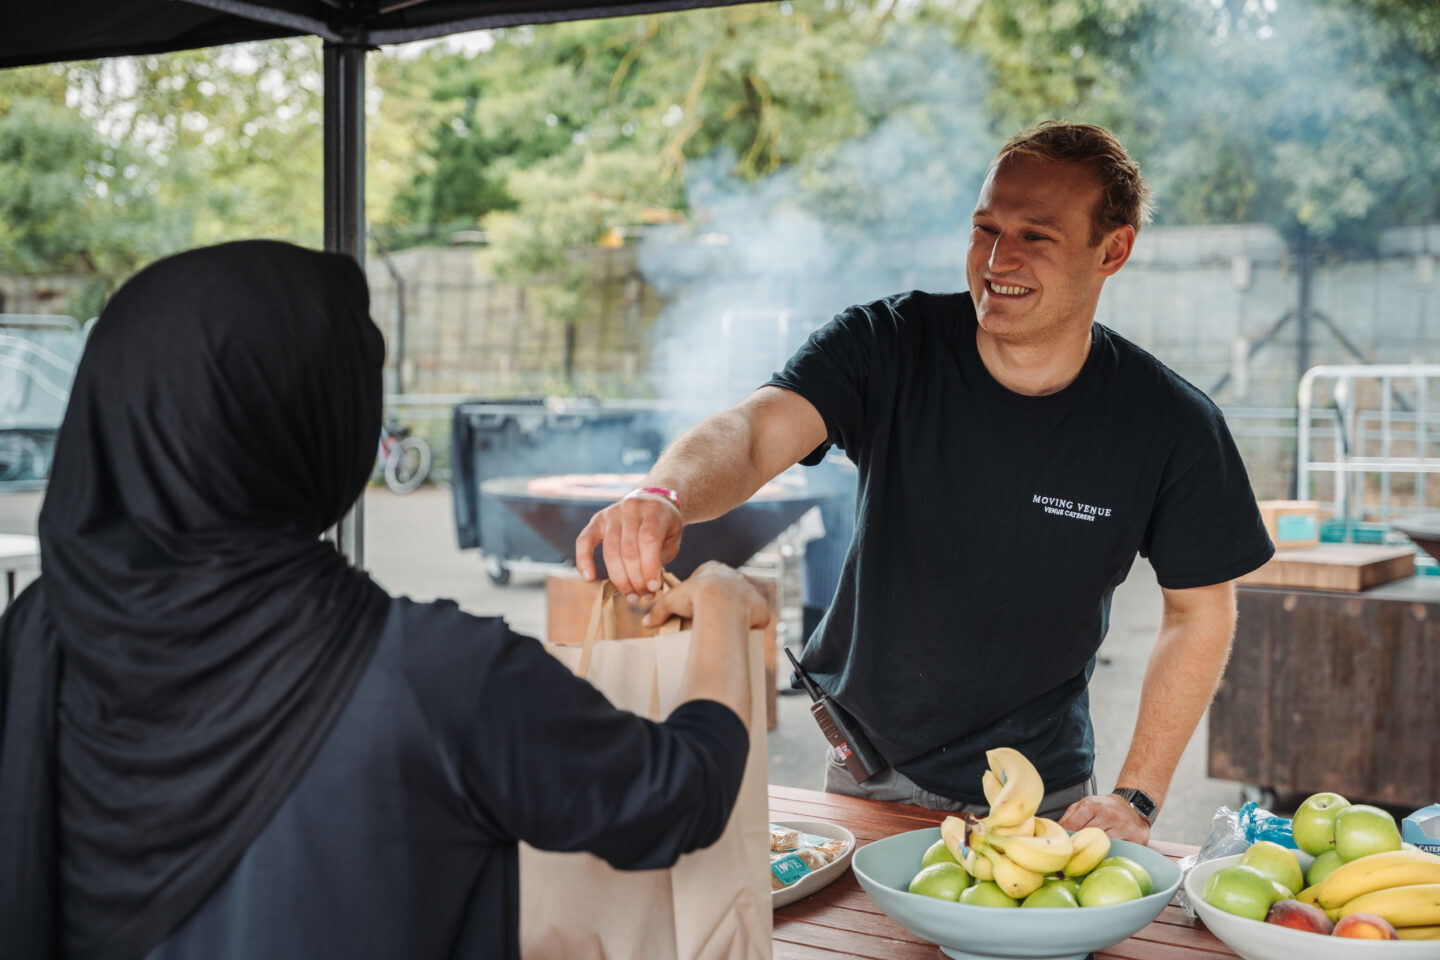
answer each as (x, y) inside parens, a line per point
(1231, 832)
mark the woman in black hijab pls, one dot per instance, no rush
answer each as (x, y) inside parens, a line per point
(219, 740)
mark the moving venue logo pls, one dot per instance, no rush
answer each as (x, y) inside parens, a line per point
(1073, 509)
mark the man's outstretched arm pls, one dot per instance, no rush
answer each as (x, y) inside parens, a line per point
(714, 467)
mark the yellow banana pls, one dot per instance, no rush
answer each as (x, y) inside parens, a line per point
(991, 785)
(1379, 871)
(1308, 895)
(976, 864)
(1017, 881)
(1025, 829)
(1413, 905)
(952, 831)
(1045, 827)
(1050, 850)
(1428, 932)
(1021, 788)
(1091, 846)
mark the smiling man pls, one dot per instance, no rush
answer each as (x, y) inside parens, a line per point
(1014, 457)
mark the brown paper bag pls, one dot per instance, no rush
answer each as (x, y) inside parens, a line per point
(714, 904)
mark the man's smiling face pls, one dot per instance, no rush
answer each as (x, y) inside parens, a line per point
(1032, 269)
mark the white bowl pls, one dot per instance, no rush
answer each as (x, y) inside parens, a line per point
(885, 867)
(827, 874)
(1257, 940)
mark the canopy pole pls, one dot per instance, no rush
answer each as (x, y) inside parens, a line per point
(345, 208)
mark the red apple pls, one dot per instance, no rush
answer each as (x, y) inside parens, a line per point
(1365, 926)
(1300, 916)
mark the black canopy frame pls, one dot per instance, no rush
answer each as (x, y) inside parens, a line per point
(47, 31)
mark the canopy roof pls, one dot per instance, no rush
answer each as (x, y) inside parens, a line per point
(44, 31)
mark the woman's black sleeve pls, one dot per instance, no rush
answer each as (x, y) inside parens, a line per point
(542, 756)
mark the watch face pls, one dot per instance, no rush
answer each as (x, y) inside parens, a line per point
(1140, 801)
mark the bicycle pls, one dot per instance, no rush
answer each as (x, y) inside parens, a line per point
(404, 458)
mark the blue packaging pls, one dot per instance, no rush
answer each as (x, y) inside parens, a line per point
(1422, 828)
(1261, 824)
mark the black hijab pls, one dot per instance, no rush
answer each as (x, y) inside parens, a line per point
(166, 681)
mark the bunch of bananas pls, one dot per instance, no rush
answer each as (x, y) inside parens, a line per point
(1012, 846)
(1402, 886)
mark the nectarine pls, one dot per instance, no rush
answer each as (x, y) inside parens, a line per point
(1365, 926)
(1300, 916)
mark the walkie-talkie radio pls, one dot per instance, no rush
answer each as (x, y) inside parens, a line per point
(844, 734)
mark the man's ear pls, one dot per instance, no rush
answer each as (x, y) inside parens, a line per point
(1117, 245)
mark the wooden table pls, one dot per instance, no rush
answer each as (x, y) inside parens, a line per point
(841, 920)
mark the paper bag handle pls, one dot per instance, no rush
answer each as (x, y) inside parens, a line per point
(602, 621)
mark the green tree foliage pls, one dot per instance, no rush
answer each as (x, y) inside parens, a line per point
(1322, 114)
(70, 202)
(237, 129)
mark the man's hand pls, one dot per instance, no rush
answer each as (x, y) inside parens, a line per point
(765, 433)
(639, 535)
(712, 587)
(1110, 813)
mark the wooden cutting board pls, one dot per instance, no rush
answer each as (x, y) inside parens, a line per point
(1335, 566)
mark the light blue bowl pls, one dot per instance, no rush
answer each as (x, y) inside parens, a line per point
(966, 932)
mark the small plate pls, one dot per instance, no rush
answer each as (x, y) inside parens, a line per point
(827, 874)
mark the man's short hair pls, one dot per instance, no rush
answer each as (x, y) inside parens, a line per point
(1124, 197)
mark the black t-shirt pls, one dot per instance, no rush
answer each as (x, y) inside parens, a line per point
(461, 737)
(993, 527)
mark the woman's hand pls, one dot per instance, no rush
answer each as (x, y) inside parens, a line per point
(713, 587)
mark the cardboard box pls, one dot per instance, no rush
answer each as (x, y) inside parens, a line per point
(1422, 828)
(1292, 524)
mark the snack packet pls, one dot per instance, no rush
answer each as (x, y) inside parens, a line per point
(794, 855)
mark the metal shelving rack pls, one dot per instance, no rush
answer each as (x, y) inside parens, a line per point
(1386, 424)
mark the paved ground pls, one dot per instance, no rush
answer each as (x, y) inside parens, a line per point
(411, 550)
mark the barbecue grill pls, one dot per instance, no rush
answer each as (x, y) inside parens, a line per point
(557, 508)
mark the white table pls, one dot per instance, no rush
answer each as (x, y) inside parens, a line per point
(19, 553)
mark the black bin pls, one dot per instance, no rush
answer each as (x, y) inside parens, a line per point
(536, 437)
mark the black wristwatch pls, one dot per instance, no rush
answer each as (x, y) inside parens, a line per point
(1140, 801)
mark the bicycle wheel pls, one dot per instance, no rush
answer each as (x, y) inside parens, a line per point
(407, 465)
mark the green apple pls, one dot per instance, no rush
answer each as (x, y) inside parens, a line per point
(1361, 830)
(1313, 825)
(1069, 883)
(1106, 885)
(1052, 895)
(938, 853)
(1141, 875)
(943, 881)
(1277, 863)
(1322, 866)
(1243, 891)
(987, 894)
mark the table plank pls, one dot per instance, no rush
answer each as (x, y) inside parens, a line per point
(840, 920)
